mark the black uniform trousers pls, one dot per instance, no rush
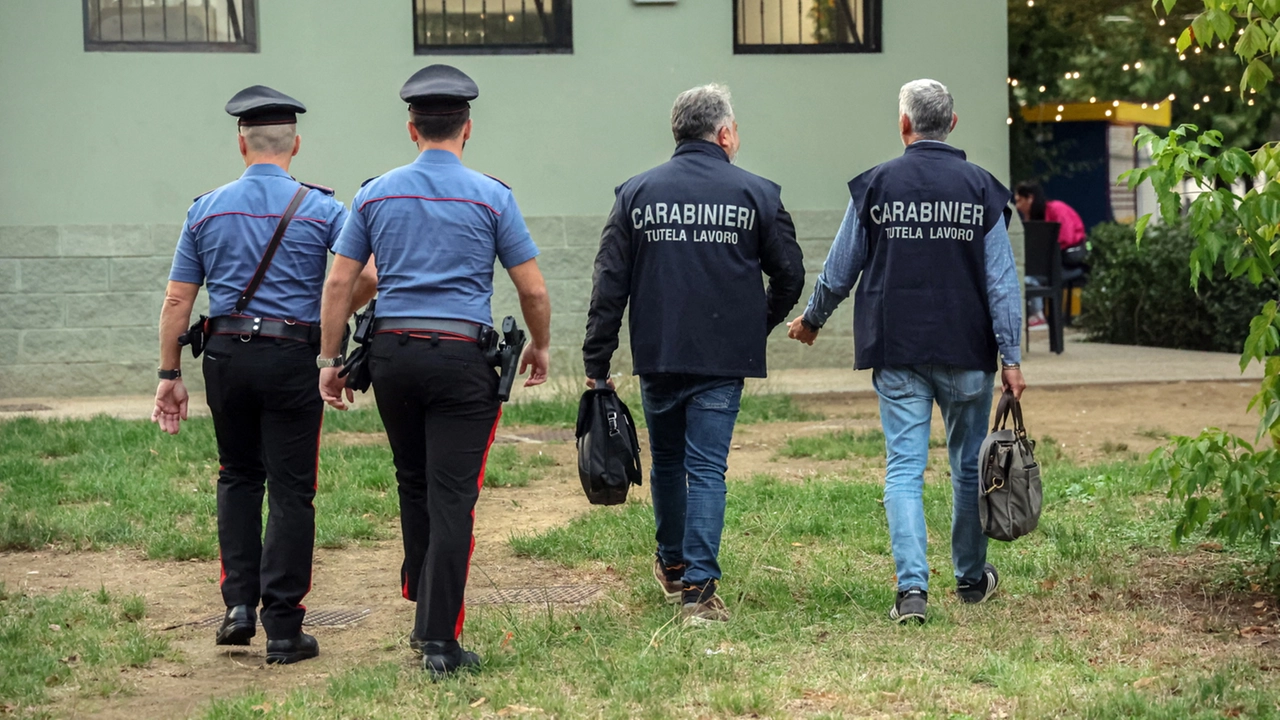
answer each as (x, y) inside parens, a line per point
(438, 401)
(267, 413)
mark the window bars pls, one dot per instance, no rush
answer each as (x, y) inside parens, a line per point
(492, 26)
(171, 25)
(806, 26)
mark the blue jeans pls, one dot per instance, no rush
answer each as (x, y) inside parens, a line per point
(907, 395)
(690, 420)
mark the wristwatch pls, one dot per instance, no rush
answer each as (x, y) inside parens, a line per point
(169, 374)
(324, 362)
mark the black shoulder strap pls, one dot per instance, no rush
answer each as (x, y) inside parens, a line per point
(272, 246)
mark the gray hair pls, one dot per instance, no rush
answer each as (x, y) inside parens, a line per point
(270, 140)
(929, 106)
(700, 113)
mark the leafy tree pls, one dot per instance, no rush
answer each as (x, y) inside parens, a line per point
(1121, 51)
(1226, 483)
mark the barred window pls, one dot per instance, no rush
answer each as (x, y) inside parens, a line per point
(171, 25)
(806, 26)
(479, 27)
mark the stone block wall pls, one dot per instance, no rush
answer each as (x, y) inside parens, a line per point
(79, 304)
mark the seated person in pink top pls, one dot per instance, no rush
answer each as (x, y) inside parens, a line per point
(1033, 205)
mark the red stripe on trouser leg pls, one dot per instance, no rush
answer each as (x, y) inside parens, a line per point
(462, 610)
(404, 589)
(222, 569)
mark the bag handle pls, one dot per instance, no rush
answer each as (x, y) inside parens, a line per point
(1009, 405)
(270, 253)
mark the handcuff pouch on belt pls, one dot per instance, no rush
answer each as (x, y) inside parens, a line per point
(195, 336)
(356, 367)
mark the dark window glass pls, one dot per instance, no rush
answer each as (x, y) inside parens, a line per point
(171, 25)
(806, 26)
(492, 26)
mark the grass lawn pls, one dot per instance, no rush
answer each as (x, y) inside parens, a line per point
(808, 577)
(91, 484)
(1097, 617)
(73, 642)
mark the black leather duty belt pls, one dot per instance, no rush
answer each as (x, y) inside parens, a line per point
(248, 328)
(430, 326)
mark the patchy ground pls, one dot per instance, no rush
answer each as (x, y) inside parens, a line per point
(1089, 423)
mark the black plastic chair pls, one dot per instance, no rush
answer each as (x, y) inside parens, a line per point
(1044, 259)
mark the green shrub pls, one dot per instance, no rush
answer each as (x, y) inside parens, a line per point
(1141, 294)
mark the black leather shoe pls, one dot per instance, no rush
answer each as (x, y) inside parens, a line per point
(292, 650)
(442, 659)
(240, 624)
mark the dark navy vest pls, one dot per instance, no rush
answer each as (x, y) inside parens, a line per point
(922, 299)
(698, 302)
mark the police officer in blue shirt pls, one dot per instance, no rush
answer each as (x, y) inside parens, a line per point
(259, 367)
(436, 228)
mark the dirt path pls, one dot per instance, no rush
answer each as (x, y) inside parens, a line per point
(1089, 422)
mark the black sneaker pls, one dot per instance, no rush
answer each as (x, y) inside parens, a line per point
(910, 606)
(237, 627)
(292, 650)
(443, 658)
(973, 593)
(670, 578)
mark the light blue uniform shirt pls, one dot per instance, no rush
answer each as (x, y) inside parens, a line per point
(227, 231)
(848, 256)
(435, 228)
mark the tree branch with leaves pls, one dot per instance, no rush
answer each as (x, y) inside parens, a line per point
(1228, 486)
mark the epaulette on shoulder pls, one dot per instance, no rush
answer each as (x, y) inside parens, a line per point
(321, 188)
(366, 182)
(206, 192)
(497, 180)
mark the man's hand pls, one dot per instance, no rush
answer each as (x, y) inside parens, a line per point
(797, 331)
(171, 405)
(1011, 380)
(331, 387)
(591, 383)
(537, 361)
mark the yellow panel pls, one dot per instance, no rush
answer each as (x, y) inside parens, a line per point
(1125, 113)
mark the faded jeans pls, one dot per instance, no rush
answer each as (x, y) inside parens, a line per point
(907, 395)
(690, 419)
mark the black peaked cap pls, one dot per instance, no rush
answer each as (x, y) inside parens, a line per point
(261, 105)
(439, 90)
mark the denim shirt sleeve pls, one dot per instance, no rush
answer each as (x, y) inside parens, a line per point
(1004, 297)
(840, 271)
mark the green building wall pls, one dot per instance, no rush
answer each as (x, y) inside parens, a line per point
(103, 151)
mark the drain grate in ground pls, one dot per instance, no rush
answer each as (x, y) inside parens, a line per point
(315, 618)
(23, 407)
(559, 594)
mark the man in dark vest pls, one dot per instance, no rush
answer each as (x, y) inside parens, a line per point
(686, 243)
(937, 306)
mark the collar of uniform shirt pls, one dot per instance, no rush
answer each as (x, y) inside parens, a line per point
(264, 169)
(438, 157)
